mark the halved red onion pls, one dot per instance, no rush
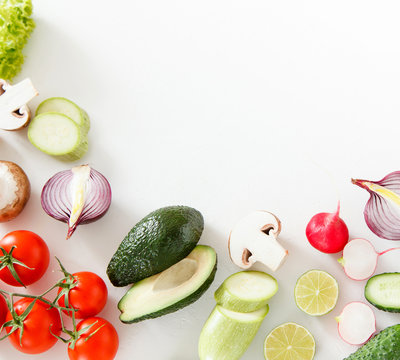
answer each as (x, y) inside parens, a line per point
(77, 196)
(382, 211)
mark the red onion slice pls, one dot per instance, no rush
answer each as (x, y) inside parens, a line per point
(77, 196)
(382, 211)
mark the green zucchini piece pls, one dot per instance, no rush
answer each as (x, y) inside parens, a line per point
(155, 243)
(67, 107)
(171, 290)
(58, 135)
(227, 334)
(383, 346)
(246, 291)
(383, 291)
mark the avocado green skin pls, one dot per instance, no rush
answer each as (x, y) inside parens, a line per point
(180, 304)
(384, 346)
(372, 302)
(155, 243)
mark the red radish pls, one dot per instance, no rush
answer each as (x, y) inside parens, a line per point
(356, 323)
(360, 258)
(327, 232)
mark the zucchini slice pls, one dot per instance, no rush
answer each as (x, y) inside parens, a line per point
(171, 290)
(383, 291)
(246, 291)
(66, 107)
(58, 135)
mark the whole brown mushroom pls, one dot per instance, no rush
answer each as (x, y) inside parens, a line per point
(15, 190)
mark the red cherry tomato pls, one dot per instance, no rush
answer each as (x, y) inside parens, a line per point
(89, 296)
(31, 250)
(36, 337)
(3, 310)
(102, 345)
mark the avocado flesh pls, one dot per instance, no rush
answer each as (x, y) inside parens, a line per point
(171, 290)
(155, 243)
(384, 346)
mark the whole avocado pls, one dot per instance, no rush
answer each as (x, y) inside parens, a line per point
(155, 243)
(384, 346)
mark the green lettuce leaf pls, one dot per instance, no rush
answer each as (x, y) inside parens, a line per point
(16, 26)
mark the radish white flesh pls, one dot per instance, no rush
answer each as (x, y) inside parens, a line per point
(356, 323)
(360, 258)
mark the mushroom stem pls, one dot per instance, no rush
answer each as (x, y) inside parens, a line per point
(14, 113)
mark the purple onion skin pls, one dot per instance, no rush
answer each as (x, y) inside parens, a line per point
(379, 214)
(56, 199)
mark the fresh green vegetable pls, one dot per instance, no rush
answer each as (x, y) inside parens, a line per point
(246, 291)
(226, 334)
(16, 26)
(68, 108)
(171, 290)
(58, 135)
(155, 243)
(384, 346)
(383, 291)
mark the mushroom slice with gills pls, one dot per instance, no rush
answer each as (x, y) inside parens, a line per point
(14, 113)
(254, 238)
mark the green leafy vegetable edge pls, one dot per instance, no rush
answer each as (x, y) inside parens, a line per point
(16, 26)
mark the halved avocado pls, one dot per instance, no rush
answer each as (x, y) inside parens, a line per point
(171, 290)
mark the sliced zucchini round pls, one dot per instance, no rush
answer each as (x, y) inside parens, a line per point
(58, 135)
(66, 107)
(246, 291)
(383, 291)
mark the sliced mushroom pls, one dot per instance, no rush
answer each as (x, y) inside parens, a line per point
(254, 238)
(14, 113)
(15, 190)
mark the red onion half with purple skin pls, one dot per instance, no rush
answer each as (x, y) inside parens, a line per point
(77, 196)
(382, 211)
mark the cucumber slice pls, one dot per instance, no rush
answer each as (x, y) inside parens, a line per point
(172, 289)
(246, 291)
(66, 107)
(58, 135)
(383, 291)
(227, 334)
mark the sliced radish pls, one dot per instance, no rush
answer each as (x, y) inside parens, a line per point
(360, 258)
(356, 323)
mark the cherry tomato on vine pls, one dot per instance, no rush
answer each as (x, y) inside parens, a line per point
(23, 247)
(3, 310)
(41, 322)
(88, 296)
(99, 342)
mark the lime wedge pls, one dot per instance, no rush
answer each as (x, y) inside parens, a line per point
(289, 341)
(316, 292)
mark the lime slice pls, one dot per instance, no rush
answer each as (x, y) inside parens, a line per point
(289, 341)
(316, 292)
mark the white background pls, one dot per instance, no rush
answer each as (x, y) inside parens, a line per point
(226, 106)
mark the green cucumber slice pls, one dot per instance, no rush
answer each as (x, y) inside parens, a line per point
(66, 107)
(227, 334)
(58, 135)
(246, 291)
(383, 291)
(172, 289)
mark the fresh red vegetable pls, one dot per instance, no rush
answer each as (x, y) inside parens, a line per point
(88, 295)
(382, 211)
(38, 327)
(99, 342)
(77, 196)
(3, 310)
(24, 258)
(327, 232)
